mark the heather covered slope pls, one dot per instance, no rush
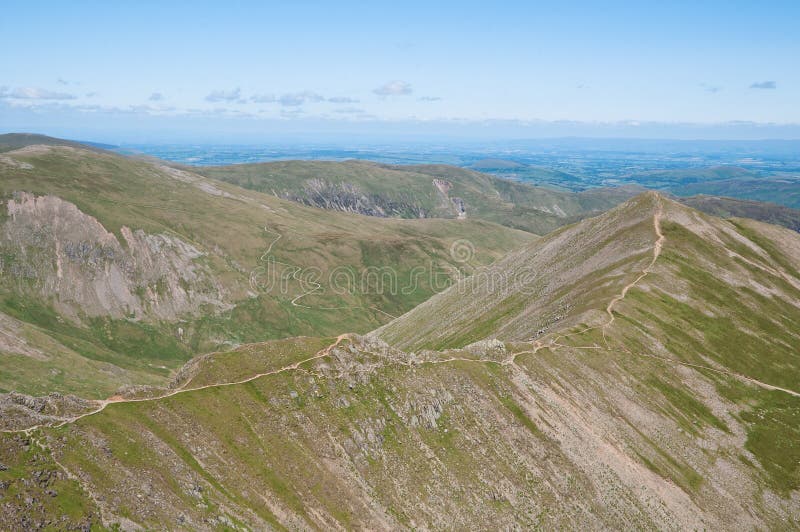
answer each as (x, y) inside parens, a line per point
(664, 396)
(115, 271)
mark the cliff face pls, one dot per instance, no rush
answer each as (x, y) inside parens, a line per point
(348, 197)
(53, 249)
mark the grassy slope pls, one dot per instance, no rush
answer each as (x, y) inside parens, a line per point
(578, 434)
(13, 141)
(724, 294)
(535, 209)
(228, 224)
(514, 204)
(547, 285)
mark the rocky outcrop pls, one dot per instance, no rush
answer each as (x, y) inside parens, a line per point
(19, 411)
(453, 204)
(347, 197)
(12, 338)
(52, 248)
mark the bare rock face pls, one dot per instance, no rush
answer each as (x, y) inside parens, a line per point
(67, 256)
(347, 197)
(12, 339)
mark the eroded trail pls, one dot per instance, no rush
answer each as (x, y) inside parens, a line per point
(537, 345)
(723, 371)
(657, 247)
(103, 403)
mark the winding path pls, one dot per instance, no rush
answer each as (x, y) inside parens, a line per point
(657, 247)
(537, 345)
(117, 399)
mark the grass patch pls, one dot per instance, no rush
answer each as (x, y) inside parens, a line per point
(773, 436)
(686, 409)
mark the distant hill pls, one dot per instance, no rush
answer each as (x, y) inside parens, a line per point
(529, 174)
(783, 190)
(738, 208)
(684, 176)
(418, 191)
(408, 191)
(14, 141)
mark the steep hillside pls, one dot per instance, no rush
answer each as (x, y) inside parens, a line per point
(545, 285)
(661, 395)
(560, 281)
(414, 191)
(116, 271)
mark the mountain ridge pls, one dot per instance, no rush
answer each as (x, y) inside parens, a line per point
(611, 417)
(122, 269)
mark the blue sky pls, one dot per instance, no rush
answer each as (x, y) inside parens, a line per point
(248, 69)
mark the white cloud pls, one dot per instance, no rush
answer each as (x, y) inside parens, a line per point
(295, 112)
(349, 111)
(342, 99)
(156, 97)
(234, 95)
(33, 93)
(394, 88)
(295, 99)
(263, 98)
